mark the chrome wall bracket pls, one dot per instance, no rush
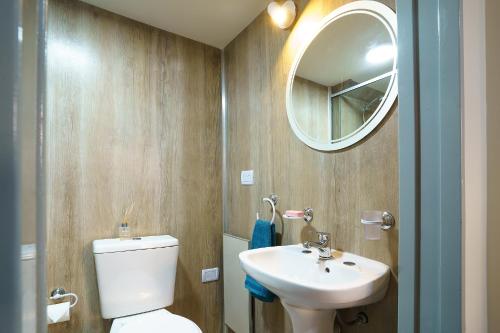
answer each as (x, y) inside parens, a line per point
(308, 215)
(274, 198)
(57, 293)
(388, 221)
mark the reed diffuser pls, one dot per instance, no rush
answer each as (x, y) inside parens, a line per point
(124, 230)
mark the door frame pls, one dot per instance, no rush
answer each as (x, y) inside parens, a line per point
(10, 307)
(11, 191)
(430, 171)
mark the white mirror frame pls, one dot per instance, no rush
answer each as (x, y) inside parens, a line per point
(388, 18)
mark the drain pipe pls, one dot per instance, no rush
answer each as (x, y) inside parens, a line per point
(361, 318)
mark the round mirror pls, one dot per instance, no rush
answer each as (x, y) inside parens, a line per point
(343, 81)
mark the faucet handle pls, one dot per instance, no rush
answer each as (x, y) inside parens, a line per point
(324, 237)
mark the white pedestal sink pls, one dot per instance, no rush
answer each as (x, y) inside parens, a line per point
(311, 290)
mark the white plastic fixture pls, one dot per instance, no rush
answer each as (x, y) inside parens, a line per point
(311, 290)
(388, 18)
(154, 322)
(135, 276)
(283, 14)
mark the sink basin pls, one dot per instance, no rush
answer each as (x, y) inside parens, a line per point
(311, 289)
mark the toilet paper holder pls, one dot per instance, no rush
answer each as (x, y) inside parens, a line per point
(59, 293)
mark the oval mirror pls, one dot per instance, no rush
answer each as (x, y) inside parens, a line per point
(343, 81)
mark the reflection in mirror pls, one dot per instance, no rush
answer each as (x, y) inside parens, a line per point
(351, 108)
(342, 79)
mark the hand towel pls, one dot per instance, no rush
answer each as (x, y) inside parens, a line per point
(264, 235)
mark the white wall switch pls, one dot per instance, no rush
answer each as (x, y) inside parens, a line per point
(210, 274)
(247, 177)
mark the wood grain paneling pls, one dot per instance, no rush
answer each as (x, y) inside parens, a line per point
(338, 185)
(310, 108)
(133, 115)
(493, 177)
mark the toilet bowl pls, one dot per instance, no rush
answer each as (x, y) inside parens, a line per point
(159, 321)
(136, 280)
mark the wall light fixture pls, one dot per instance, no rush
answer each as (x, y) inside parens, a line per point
(282, 14)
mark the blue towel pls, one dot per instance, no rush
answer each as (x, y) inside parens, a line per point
(264, 235)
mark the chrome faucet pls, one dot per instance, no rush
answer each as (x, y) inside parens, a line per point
(323, 245)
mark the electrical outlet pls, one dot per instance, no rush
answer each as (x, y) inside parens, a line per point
(210, 274)
(247, 177)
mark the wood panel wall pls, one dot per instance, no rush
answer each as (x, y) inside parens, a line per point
(133, 115)
(338, 185)
(493, 163)
(311, 109)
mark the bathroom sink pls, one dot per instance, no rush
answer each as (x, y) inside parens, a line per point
(311, 289)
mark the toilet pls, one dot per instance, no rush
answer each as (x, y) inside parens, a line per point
(136, 281)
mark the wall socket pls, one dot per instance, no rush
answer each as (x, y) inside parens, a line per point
(210, 274)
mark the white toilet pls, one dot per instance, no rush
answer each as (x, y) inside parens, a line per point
(136, 280)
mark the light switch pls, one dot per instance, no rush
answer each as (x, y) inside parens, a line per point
(210, 274)
(247, 177)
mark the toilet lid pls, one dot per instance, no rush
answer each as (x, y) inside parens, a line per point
(160, 321)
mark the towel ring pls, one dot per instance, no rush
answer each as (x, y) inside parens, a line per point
(273, 201)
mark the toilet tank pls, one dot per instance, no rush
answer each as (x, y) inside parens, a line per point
(136, 275)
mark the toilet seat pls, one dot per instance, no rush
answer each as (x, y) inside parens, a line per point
(159, 321)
